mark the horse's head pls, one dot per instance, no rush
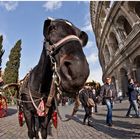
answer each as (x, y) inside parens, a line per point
(65, 42)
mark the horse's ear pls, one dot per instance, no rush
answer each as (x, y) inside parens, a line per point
(46, 25)
(83, 37)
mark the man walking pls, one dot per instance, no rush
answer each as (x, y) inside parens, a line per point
(132, 94)
(108, 92)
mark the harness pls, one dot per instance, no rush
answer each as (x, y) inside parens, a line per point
(56, 79)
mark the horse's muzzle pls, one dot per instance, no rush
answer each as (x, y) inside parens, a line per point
(73, 74)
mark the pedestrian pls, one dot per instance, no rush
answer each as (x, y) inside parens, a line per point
(108, 93)
(84, 93)
(120, 97)
(94, 93)
(138, 97)
(132, 94)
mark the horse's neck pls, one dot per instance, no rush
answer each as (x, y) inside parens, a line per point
(41, 75)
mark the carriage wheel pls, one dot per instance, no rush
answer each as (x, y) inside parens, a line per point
(3, 106)
(11, 92)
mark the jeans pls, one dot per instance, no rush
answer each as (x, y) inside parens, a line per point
(133, 104)
(109, 105)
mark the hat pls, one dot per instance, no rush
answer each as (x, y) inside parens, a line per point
(87, 84)
(108, 78)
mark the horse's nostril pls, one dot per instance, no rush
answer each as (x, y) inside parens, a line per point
(68, 65)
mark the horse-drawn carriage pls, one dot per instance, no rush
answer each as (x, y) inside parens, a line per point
(3, 104)
(8, 94)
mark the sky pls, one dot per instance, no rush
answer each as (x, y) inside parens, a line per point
(25, 19)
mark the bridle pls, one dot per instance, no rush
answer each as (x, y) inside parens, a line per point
(51, 51)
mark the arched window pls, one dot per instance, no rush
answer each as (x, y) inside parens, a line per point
(124, 81)
(137, 8)
(106, 54)
(113, 81)
(134, 6)
(137, 66)
(124, 28)
(113, 42)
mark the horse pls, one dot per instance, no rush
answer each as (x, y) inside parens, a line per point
(62, 64)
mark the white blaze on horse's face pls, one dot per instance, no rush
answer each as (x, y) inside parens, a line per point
(68, 23)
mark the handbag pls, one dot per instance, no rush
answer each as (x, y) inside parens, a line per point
(103, 101)
(90, 102)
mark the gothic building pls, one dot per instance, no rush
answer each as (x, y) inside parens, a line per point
(116, 26)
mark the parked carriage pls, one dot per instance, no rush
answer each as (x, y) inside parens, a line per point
(8, 94)
(3, 104)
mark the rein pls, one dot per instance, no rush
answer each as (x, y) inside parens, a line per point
(56, 78)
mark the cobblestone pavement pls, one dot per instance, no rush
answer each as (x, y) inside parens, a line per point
(123, 127)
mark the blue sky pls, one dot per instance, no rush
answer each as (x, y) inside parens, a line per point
(24, 20)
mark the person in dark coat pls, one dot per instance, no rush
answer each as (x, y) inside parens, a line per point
(84, 93)
(108, 93)
(132, 94)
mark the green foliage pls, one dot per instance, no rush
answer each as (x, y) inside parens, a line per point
(12, 66)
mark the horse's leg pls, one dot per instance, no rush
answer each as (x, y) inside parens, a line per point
(44, 125)
(30, 123)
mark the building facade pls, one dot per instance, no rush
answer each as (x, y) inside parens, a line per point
(116, 26)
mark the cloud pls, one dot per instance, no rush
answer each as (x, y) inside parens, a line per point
(89, 45)
(85, 2)
(52, 5)
(87, 27)
(9, 5)
(96, 75)
(92, 58)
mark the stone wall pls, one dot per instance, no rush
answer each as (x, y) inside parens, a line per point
(117, 30)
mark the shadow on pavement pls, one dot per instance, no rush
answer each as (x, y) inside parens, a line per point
(76, 118)
(117, 131)
(114, 132)
(117, 116)
(120, 109)
(11, 111)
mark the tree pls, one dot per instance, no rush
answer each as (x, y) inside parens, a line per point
(1, 51)
(12, 66)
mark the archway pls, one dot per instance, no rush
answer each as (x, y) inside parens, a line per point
(113, 42)
(124, 28)
(134, 6)
(137, 8)
(113, 81)
(124, 81)
(106, 55)
(137, 66)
